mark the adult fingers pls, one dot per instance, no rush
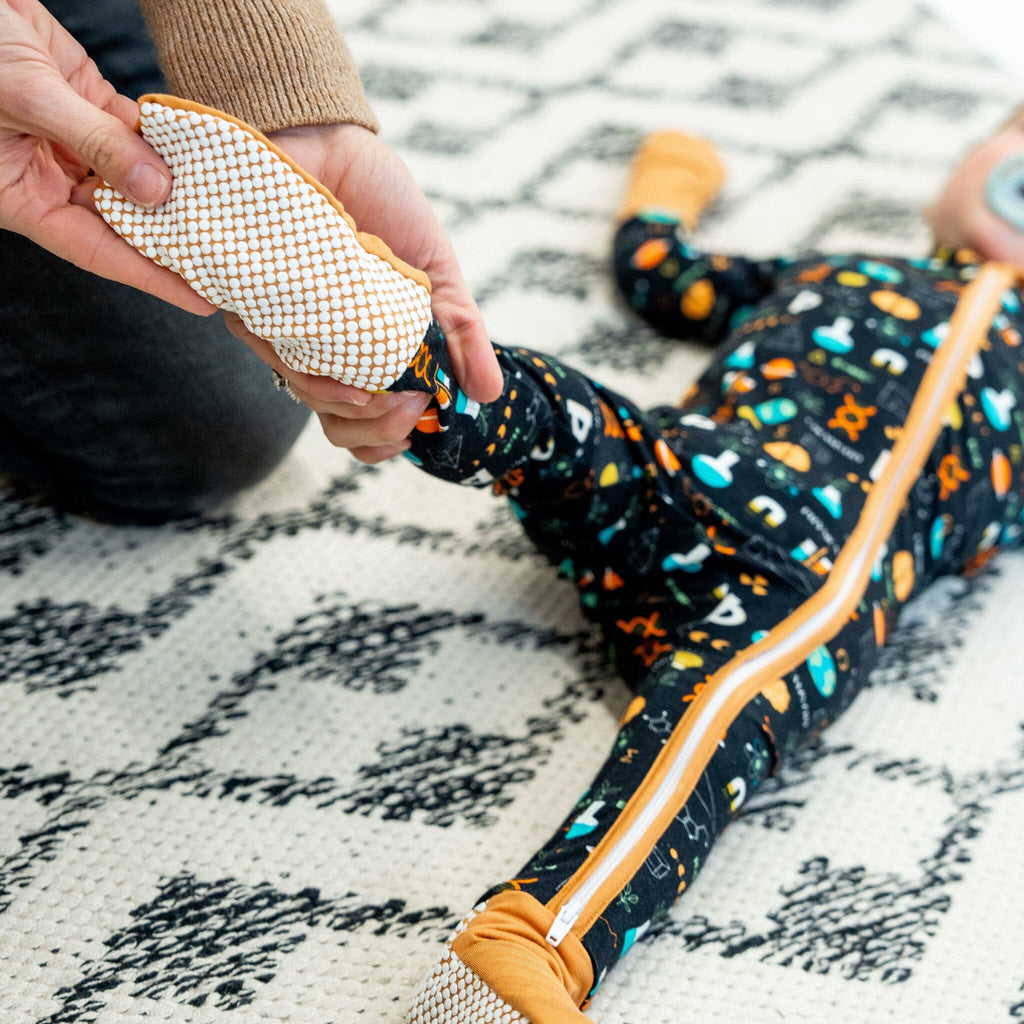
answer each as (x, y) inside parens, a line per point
(473, 360)
(389, 430)
(51, 109)
(380, 407)
(306, 385)
(324, 394)
(79, 236)
(374, 455)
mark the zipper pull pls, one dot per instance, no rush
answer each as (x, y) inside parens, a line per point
(568, 915)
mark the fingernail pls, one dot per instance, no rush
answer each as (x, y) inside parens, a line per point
(146, 185)
(416, 399)
(358, 398)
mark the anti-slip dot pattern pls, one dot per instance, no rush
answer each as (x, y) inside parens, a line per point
(253, 236)
(455, 994)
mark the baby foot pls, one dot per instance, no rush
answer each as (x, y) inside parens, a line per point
(498, 968)
(256, 236)
(672, 176)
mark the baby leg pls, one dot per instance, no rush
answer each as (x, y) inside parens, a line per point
(683, 291)
(679, 594)
(697, 739)
(578, 464)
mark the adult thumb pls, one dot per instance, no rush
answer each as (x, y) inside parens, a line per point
(103, 141)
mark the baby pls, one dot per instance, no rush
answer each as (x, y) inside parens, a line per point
(855, 436)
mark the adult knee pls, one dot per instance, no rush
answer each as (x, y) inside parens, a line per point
(119, 405)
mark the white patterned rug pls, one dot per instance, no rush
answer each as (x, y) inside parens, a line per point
(254, 766)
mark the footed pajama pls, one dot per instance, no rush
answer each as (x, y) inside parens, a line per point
(745, 555)
(855, 436)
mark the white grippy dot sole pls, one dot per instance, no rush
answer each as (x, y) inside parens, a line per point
(454, 994)
(254, 235)
(497, 968)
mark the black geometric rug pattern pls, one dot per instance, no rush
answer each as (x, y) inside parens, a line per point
(256, 764)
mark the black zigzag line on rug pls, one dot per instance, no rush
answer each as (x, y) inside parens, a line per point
(1016, 1011)
(28, 530)
(214, 943)
(65, 647)
(371, 646)
(441, 775)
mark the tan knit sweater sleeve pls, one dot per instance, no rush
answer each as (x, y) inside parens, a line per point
(272, 63)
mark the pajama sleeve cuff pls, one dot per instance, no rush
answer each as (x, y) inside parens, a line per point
(271, 63)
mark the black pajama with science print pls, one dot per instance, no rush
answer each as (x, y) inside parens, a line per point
(745, 554)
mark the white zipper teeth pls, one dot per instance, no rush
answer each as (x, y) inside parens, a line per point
(571, 911)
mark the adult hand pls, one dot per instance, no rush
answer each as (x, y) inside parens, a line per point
(377, 190)
(62, 123)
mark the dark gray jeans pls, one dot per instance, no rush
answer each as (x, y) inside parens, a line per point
(113, 403)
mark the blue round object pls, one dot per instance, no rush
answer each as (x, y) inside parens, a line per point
(1004, 190)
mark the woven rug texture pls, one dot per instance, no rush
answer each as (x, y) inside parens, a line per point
(255, 765)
